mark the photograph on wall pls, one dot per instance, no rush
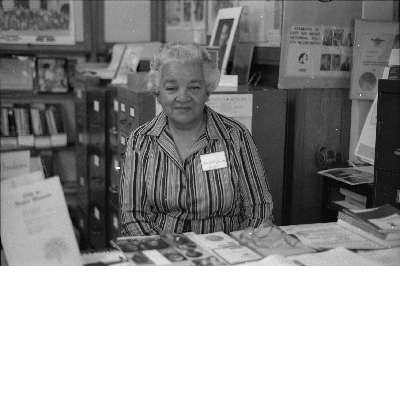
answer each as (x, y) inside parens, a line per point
(52, 75)
(224, 33)
(317, 51)
(373, 44)
(129, 63)
(185, 20)
(214, 53)
(213, 7)
(261, 22)
(46, 22)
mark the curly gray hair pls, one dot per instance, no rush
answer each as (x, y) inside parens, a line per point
(183, 52)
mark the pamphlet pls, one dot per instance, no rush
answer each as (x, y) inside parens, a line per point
(36, 228)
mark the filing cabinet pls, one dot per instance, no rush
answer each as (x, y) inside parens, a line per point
(136, 106)
(387, 145)
(97, 122)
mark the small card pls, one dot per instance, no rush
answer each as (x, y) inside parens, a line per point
(213, 161)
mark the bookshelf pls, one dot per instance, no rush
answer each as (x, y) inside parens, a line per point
(58, 155)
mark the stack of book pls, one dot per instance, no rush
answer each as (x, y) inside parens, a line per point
(381, 224)
(354, 199)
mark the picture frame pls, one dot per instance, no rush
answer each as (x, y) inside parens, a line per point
(224, 33)
(214, 53)
(52, 75)
(18, 73)
(129, 63)
(29, 23)
(242, 59)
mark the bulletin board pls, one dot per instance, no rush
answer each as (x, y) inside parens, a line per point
(317, 44)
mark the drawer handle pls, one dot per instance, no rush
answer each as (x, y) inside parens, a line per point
(397, 152)
(113, 131)
(122, 121)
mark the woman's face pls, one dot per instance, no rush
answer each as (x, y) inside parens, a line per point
(183, 93)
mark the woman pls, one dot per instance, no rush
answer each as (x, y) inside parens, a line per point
(190, 168)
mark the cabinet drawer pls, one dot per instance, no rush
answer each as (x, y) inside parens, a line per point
(83, 225)
(113, 225)
(98, 191)
(387, 188)
(123, 138)
(114, 177)
(387, 145)
(96, 106)
(97, 165)
(97, 224)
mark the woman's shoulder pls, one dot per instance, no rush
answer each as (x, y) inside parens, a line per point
(228, 122)
(152, 127)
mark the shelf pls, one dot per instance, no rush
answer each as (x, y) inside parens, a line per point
(9, 96)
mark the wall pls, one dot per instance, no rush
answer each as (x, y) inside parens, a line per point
(127, 21)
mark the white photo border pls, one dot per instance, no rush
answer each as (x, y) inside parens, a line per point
(223, 15)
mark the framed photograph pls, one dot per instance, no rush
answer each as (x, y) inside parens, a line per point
(242, 61)
(214, 53)
(38, 22)
(129, 63)
(52, 75)
(224, 33)
(17, 73)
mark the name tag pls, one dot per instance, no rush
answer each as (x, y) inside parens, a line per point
(213, 161)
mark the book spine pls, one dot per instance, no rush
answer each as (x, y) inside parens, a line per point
(356, 196)
(36, 125)
(18, 121)
(367, 235)
(49, 122)
(5, 130)
(12, 122)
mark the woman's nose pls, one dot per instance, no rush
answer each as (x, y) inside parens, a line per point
(183, 94)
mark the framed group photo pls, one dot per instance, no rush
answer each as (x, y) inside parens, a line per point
(224, 33)
(52, 75)
(38, 22)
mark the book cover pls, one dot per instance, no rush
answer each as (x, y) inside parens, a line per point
(104, 257)
(384, 243)
(169, 249)
(225, 246)
(383, 221)
(36, 227)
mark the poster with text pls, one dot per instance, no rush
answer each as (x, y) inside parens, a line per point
(319, 51)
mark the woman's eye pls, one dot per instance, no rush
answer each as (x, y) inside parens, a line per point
(195, 88)
(170, 89)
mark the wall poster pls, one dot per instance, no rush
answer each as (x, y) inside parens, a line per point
(373, 45)
(320, 52)
(49, 22)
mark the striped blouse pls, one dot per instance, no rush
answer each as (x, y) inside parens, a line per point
(159, 192)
